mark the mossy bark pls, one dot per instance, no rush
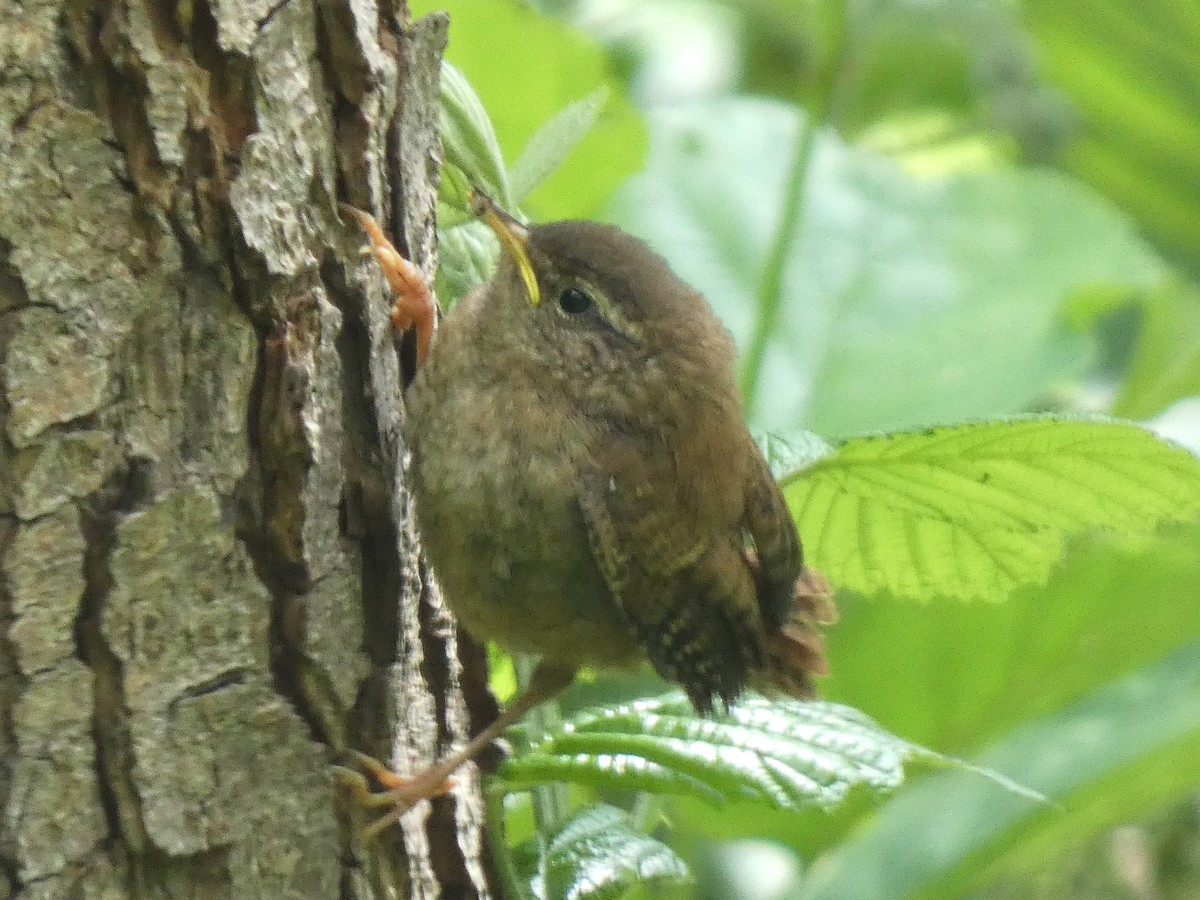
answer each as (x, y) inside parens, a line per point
(210, 583)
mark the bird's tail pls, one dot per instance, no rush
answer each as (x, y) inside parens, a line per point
(796, 652)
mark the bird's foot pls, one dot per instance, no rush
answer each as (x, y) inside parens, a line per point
(397, 793)
(413, 305)
(401, 794)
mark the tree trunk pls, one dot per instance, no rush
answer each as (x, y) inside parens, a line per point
(210, 584)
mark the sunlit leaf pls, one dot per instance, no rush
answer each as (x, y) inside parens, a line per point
(974, 510)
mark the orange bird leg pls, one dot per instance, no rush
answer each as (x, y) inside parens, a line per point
(402, 793)
(413, 306)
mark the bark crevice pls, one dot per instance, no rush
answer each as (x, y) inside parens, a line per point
(119, 799)
(204, 534)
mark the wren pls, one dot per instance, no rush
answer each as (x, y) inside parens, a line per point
(586, 488)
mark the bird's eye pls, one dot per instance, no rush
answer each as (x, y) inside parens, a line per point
(573, 301)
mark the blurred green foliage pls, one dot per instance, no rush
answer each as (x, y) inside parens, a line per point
(526, 68)
(1132, 76)
(885, 266)
(910, 213)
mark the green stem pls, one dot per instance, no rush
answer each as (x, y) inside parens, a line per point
(514, 886)
(770, 288)
(550, 801)
(646, 812)
(769, 299)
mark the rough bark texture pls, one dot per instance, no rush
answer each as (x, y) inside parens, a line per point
(210, 583)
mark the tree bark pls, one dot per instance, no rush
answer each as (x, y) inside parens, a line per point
(210, 582)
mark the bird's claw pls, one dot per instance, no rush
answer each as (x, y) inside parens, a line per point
(399, 793)
(413, 304)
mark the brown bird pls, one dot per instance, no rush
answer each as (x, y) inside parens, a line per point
(585, 485)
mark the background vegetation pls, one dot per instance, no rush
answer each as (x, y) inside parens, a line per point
(913, 213)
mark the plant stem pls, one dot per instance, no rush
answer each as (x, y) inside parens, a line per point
(550, 808)
(770, 288)
(646, 812)
(769, 298)
(550, 801)
(493, 799)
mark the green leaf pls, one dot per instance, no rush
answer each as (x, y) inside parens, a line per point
(906, 300)
(962, 676)
(468, 137)
(974, 510)
(454, 197)
(785, 753)
(1131, 71)
(526, 67)
(1118, 751)
(1166, 361)
(467, 256)
(788, 454)
(600, 855)
(1112, 607)
(554, 141)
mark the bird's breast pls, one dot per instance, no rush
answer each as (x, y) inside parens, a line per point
(495, 482)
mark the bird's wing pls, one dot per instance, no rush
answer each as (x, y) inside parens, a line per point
(795, 601)
(680, 577)
(778, 558)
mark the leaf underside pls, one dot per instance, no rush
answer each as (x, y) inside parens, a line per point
(974, 510)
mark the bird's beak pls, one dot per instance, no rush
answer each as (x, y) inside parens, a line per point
(514, 240)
